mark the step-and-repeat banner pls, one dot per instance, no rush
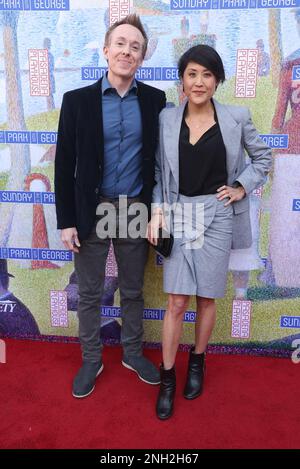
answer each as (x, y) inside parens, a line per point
(50, 46)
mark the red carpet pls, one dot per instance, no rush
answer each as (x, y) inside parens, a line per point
(248, 402)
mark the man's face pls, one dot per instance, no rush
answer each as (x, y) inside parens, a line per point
(124, 52)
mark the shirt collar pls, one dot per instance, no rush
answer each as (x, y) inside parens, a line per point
(107, 86)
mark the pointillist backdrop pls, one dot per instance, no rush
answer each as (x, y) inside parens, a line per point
(50, 46)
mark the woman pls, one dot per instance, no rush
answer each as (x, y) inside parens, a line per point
(201, 163)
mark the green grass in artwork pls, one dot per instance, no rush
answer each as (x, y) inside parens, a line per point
(46, 121)
(262, 106)
(3, 181)
(33, 289)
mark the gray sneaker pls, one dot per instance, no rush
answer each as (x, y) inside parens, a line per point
(145, 370)
(84, 381)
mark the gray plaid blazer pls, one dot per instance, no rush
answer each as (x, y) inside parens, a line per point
(239, 134)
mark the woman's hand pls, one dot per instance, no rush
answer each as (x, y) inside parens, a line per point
(233, 193)
(157, 221)
(69, 237)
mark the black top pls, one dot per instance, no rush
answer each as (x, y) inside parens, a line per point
(202, 166)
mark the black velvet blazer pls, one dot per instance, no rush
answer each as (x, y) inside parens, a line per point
(80, 148)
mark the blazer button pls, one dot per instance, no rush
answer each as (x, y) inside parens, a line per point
(235, 171)
(96, 190)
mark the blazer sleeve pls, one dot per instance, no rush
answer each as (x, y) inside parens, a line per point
(65, 167)
(157, 194)
(163, 101)
(254, 175)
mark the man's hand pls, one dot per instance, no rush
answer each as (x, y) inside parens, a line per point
(69, 237)
(234, 194)
(157, 221)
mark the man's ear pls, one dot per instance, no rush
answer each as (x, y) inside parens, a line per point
(105, 52)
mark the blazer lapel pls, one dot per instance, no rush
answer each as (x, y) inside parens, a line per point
(146, 115)
(231, 133)
(171, 138)
(96, 119)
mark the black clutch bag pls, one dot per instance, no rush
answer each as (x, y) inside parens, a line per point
(164, 243)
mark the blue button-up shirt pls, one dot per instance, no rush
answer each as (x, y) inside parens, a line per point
(122, 129)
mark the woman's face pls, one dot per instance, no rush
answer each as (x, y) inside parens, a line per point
(199, 83)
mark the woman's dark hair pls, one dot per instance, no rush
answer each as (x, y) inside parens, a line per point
(206, 56)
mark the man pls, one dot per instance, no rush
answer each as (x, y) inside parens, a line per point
(106, 144)
(263, 60)
(15, 318)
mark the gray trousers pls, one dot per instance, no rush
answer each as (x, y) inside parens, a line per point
(131, 256)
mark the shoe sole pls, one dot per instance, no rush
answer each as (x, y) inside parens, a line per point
(165, 418)
(193, 397)
(85, 395)
(142, 379)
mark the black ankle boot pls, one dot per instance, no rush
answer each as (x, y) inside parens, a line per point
(195, 377)
(165, 399)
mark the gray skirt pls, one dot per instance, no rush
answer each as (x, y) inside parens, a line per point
(198, 263)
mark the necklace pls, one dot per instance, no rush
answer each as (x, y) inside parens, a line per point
(197, 126)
